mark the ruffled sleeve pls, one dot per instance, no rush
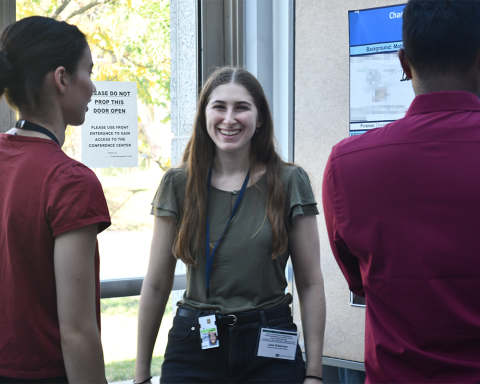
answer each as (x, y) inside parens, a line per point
(169, 196)
(299, 195)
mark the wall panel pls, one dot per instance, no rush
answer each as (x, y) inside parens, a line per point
(322, 120)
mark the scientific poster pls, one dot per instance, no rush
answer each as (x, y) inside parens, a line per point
(110, 131)
(377, 94)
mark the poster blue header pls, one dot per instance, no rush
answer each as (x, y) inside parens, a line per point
(379, 25)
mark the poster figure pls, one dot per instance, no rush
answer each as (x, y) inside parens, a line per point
(110, 130)
(213, 338)
(378, 95)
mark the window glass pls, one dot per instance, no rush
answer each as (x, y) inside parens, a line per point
(130, 41)
(119, 317)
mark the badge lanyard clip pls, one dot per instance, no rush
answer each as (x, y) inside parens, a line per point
(209, 256)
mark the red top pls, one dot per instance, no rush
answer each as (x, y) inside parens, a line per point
(402, 206)
(43, 193)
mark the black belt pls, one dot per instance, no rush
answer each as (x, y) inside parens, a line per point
(239, 317)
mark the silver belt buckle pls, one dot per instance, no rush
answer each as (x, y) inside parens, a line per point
(234, 320)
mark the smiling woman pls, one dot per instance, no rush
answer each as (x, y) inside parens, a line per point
(232, 118)
(234, 212)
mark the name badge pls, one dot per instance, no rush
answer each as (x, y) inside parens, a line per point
(208, 332)
(277, 343)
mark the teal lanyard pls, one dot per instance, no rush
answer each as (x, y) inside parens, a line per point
(209, 262)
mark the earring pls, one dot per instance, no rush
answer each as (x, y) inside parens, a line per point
(63, 92)
(256, 130)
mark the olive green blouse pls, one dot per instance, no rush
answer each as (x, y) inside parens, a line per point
(244, 276)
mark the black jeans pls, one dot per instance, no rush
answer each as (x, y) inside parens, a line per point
(234, 361)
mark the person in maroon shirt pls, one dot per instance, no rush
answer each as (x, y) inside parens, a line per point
(51, 209)
(402, 208)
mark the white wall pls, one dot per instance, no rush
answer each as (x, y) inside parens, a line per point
(322, 120)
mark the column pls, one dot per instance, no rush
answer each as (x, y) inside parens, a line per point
(183, 77)
(7, 16)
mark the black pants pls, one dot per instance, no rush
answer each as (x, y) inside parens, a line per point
(234, 361)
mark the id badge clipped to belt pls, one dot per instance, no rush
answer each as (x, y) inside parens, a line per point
(208, 332)
(277, 343)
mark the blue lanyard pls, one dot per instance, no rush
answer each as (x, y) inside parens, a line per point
(209, 256)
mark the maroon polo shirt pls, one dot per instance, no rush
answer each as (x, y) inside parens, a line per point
(402, 207)
(43, 193)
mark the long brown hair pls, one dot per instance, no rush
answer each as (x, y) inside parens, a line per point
(198, 157)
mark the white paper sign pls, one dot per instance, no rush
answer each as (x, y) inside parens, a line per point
(110, 131)
(277, 343)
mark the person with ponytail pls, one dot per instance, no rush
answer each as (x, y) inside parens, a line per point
(51, 209)
(233, 212)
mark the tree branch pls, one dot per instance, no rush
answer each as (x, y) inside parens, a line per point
(136, 64)
(60, 9)
(86, 8)
(109, 51)
(126, 58)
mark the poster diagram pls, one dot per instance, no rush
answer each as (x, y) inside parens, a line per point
(377, 94)
(110, 130)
